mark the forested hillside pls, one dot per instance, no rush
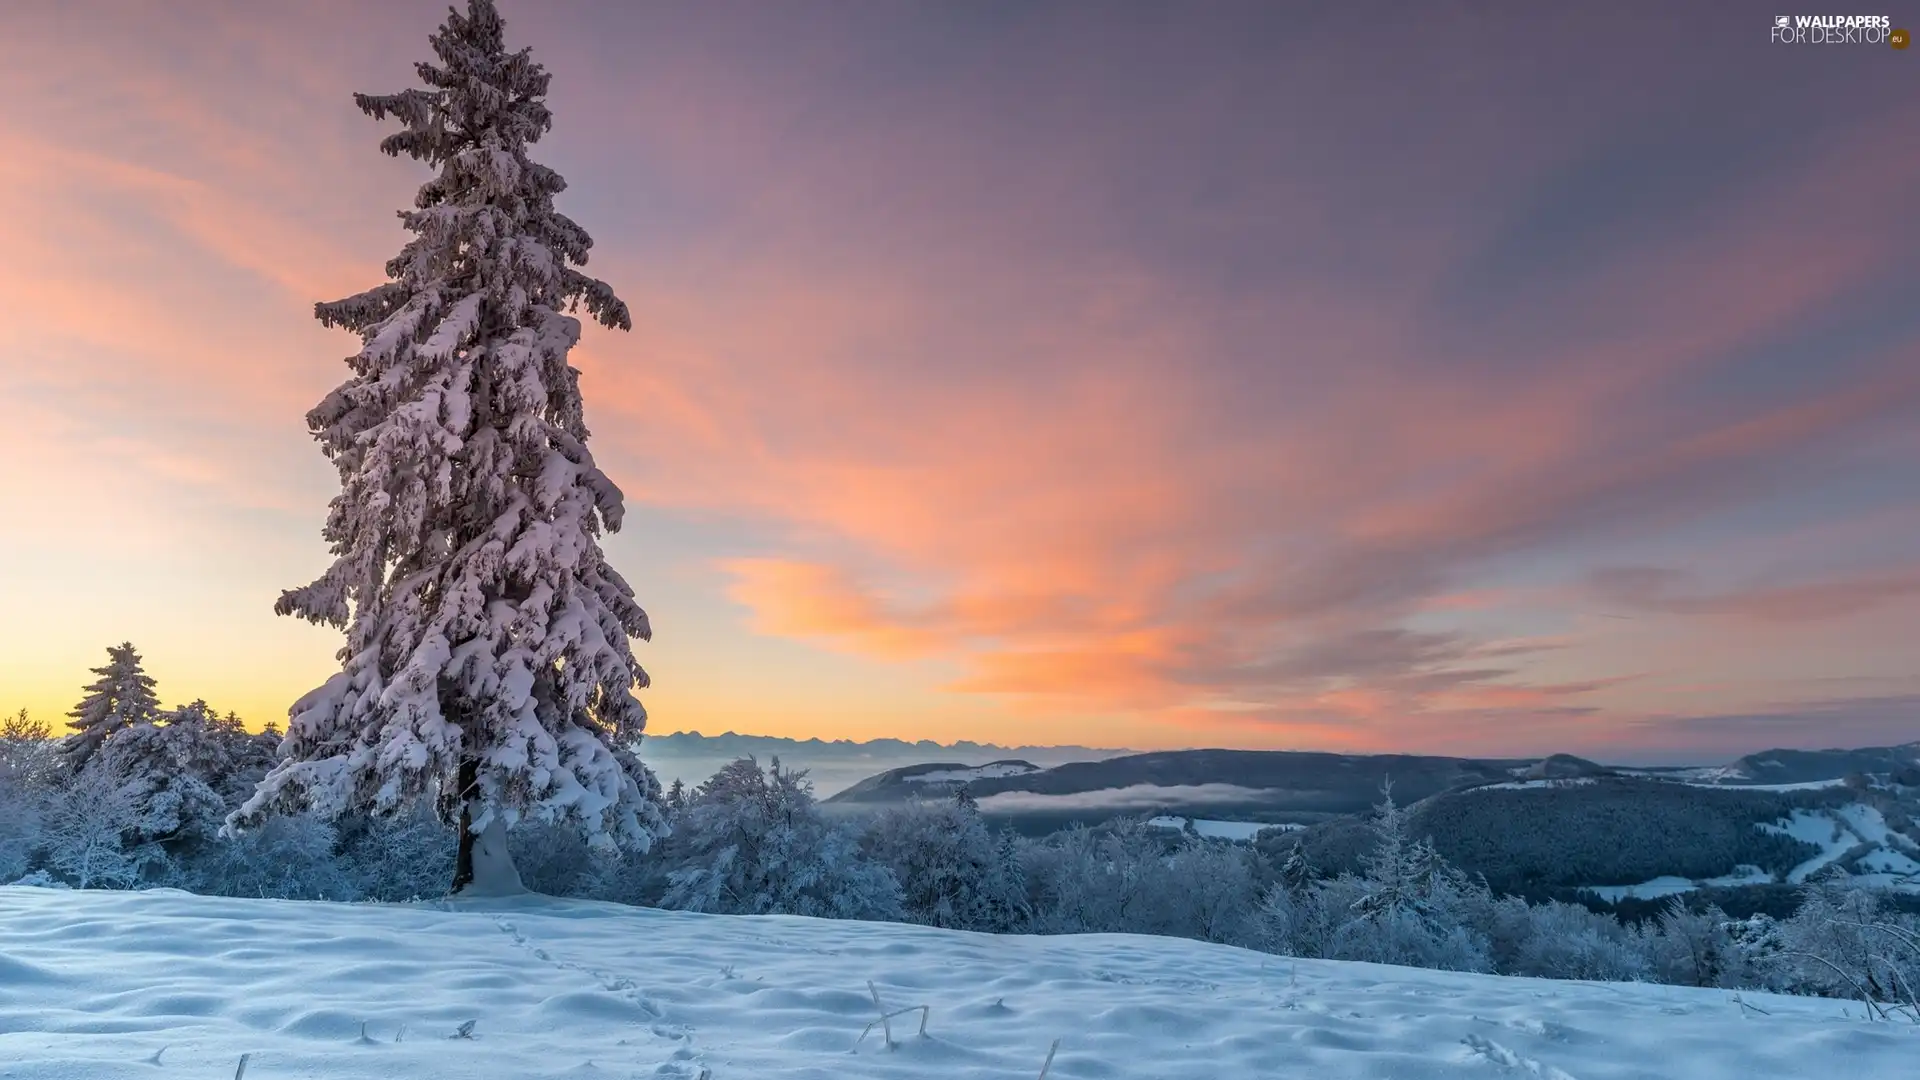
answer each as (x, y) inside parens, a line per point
(1612, 831)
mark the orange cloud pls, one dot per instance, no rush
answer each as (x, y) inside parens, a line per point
(817, 602)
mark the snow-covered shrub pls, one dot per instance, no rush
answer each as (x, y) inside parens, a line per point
(1844, 942)
(557, 861)
(289, 858)
(1213, 891)
(29, 753)
(945, 860)
(1430, 936)
(1089, 880)
(40, 879)
(1684, 947)
(1506, 923)
(752, 841)
(1570, 942)
(397, 859)
(20, 825)
(1008, 906)
(26, 780)
(1124, 877)
(163, 770)
(88, 838)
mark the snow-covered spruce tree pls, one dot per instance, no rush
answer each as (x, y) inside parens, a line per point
(1407, 904)
(487, 661)
(122, 695)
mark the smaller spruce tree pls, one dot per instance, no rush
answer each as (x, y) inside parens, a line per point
(123, 695)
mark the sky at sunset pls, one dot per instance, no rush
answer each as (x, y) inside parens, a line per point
(1368, 376)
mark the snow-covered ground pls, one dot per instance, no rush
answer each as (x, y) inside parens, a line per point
(1836, 832)
(1534, 785)
(978, 772)
(1804, 785)
(153, 985)
(1646, 890)
(1672, 886)
(1219, 830)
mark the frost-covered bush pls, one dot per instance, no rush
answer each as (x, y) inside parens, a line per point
(1685, 947)
(166, 771)
(947, 862)
(400, 858)
(1570, 942)
(1093, 880)
(1845, 942)
(1126, 878)
(558, 861)
(89, 838)
(291, 857)
(40, 879)
(752, 841)
(26, 780)
(1431, 938)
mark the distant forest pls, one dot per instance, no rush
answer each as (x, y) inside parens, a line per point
(1545, 843)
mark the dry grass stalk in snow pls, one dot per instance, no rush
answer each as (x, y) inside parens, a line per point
(886, 1018)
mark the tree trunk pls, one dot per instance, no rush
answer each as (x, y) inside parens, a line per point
(463, 861)
(483, 866)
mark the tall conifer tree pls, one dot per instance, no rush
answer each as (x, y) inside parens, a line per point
(487, 661)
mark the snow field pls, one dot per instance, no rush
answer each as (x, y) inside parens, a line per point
(994, 771)
(1220, 830)
(93, 984)
(1835, 831)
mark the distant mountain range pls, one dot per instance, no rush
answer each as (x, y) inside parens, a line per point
(835, 764)
(1747, 833)
(1283, 786)
(1559, 825)
(1277, 784)
(1810, 766)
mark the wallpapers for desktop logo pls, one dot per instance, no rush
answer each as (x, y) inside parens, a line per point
(1838, 30)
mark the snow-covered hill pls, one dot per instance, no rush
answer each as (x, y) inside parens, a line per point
(165, 984)
(1855, 836)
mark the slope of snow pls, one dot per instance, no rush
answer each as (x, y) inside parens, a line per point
(1742, 875)
(1123, 799)
(1220, 830)
(1646, 890)
(1673, 886)
(1532, 785)
(1804, 785)
(1835, 832)
(979, 772)
(163, 984)
(1889, 862)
